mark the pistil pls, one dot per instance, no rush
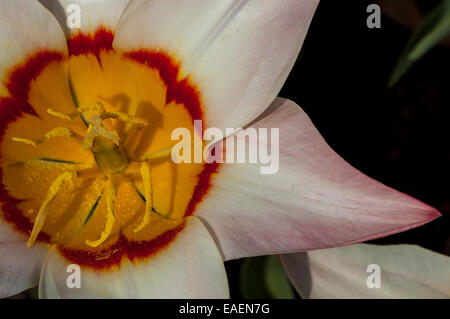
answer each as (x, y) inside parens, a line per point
(110, 158)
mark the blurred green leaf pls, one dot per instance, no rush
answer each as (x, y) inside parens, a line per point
(263, 278)
(433, 29)
(34, 293)
(251, 279)
(276, 279)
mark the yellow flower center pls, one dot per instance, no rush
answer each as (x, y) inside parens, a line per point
(96, 176)
(110, 158)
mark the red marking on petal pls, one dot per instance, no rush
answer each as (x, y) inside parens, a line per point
(20, 78)
(91, 44)
(11, 109)
(179, 91)
(202, 187)
(113, 255)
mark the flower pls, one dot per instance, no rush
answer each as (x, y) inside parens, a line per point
(86, 122)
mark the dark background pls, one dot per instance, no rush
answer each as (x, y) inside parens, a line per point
(398, 136)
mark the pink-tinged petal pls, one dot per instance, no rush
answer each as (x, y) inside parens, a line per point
(190, 267)
(405, 271)
(20, 266)
(26, 28)
(237, 52)
(315, 200)
(94, 14)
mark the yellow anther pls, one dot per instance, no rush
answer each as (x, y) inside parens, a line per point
(96, 129)
(148, 193)
(62, 115)
(93, 107)
(59, 132)
(25, 141)
(124, 117)
(163, 153)
(56, 132)
(110, 199)
(55, 187)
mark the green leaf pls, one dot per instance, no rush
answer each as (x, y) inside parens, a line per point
(34, 293)
(433, 29)
(263, 278)
(276, 280)
(250, 279)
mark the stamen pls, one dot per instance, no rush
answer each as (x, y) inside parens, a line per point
(55, 187)
(93, 107)
(124, 117)
(56, 132)
(163, 153)
(96, 129)
(148, 193)
(110, 199)
(62, 115)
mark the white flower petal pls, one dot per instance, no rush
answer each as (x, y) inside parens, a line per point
(93, 13)
(315, 200)
(26, 28)
(406, 271)
(190, 267)
(237, 52)
(20, 266)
